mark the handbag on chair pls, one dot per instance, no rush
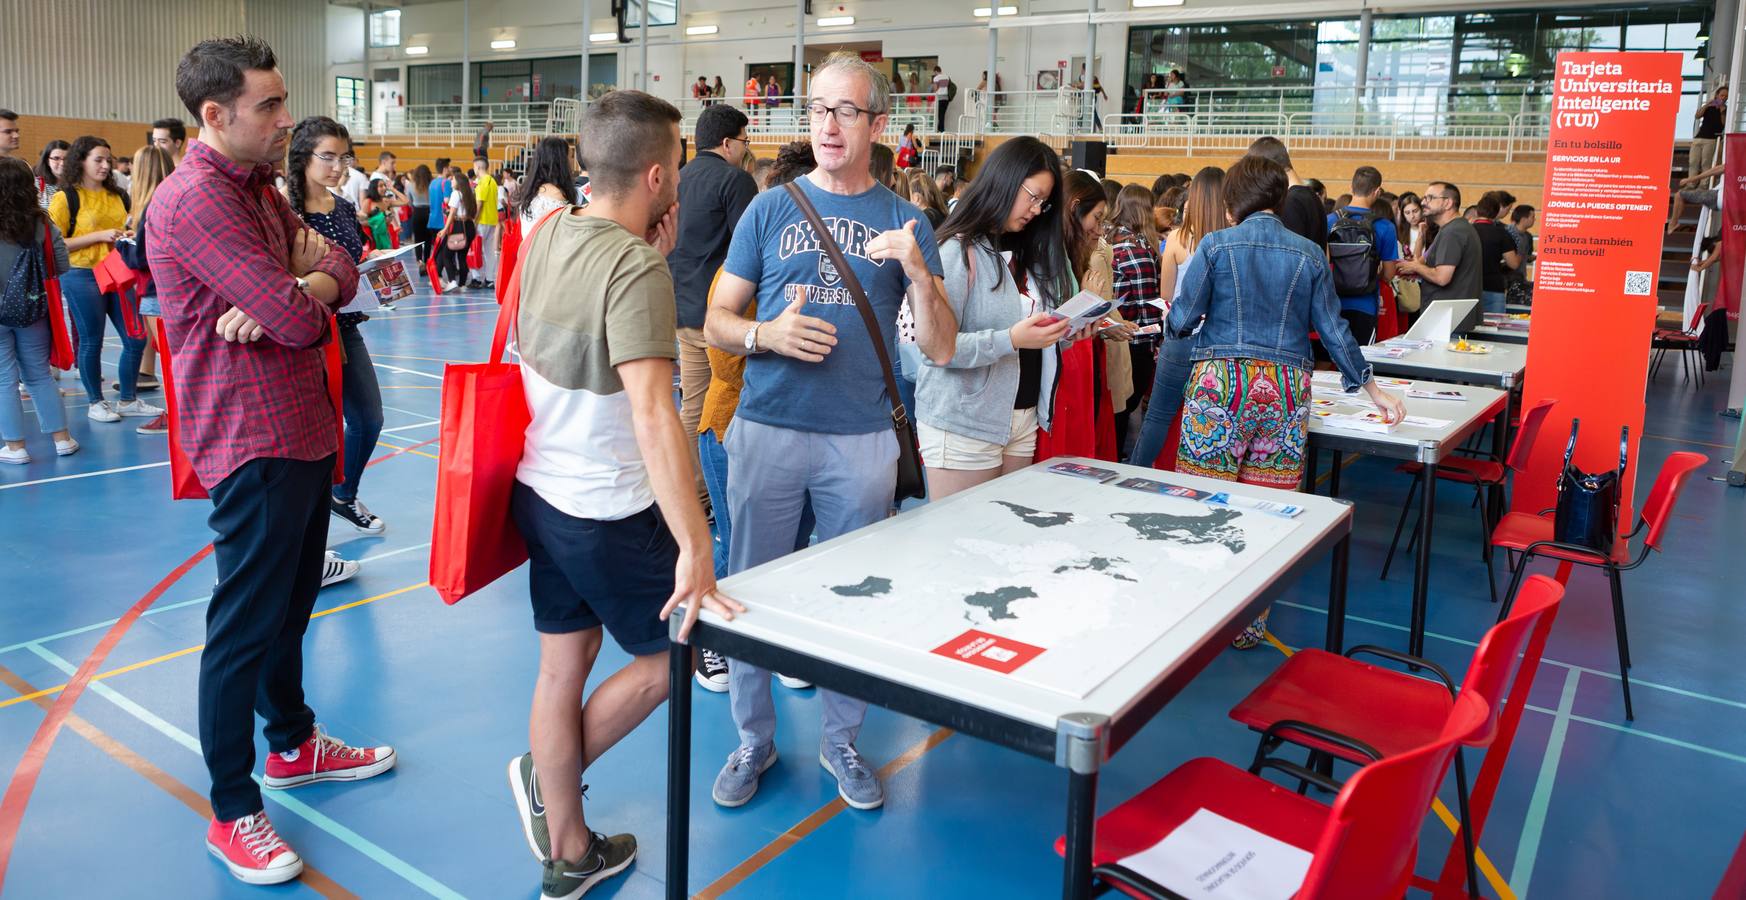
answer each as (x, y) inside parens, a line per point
(1587, 514)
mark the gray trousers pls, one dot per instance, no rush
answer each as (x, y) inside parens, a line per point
(771, 474)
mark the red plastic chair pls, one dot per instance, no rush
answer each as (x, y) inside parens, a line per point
(1392, 711)
(1685, 343)
(1363, 846)
(1531, 536)
(1482, 473)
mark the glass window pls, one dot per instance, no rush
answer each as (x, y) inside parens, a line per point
(438, 83)
(661, 12)
(385, 28)
(349, 94)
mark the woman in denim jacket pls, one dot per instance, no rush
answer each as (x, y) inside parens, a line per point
(1261, 289)
(1005, 268)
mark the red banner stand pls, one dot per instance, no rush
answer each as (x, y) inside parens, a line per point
(1608, 163)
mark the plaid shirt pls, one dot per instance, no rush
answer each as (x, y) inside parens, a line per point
(221, 238)
(1136, 279)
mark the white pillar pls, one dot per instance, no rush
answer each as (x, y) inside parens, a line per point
(799, 50)
(587, 49)
(643, 40)
(1089, 99)
(1737, 386)
(989, 95)
(1366, 26)
(466, 56)
(369, 77)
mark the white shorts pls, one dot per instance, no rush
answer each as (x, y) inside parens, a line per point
(945, 450)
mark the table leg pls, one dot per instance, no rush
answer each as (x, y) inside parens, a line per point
(1310, 457)
(1334, 475)
(1500, 443)
(1081, 816)
(1335, 642)
(1422, 566)
(678, 770)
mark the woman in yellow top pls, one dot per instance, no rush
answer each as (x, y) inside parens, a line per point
(101, 220)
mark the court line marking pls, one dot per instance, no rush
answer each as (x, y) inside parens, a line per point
(404, 370)
(1677, 440)
(163, 608)
(313, 878)
(800, 830)
(1534, 821)
(344, 835)
(416, 452)
(441, 359)
(400, 428)
(463, 312)
(78, 475)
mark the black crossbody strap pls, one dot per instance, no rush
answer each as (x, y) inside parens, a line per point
(829, 244)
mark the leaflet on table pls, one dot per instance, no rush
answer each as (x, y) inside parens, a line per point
(383, 278)
(1379, 351)
(1366, 421)
(1424, 394)
(1214, 857)
(1330, 377)
(1078, 470)
(1409, 343)
(1220, 498)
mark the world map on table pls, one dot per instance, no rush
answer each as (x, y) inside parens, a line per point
(1090, 573)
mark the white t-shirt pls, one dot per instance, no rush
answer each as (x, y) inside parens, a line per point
(941, 83)
(353, 189)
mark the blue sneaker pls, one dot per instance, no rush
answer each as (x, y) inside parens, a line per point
(858, 785)
(738, 780)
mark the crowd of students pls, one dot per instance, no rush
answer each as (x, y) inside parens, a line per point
(783, 433)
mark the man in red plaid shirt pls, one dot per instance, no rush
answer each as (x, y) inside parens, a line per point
(247, 293)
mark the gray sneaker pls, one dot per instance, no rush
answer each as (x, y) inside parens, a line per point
(525, 785)
(738, 780)
(858, 785)
(606, 857)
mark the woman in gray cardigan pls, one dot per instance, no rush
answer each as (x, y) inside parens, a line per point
(1005, 268)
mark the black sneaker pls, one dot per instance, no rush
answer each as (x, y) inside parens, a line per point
(606, 857)
(359, 515)
(712, 671)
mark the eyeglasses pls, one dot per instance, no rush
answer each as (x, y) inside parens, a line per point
(1037, 203)
(1437, 197)
(846, 113)
(332, 159)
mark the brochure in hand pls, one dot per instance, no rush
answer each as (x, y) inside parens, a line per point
(383, 278)
(1081, 310)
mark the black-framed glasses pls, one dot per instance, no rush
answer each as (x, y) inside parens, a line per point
(1437, 197)
(1039, 204)
(846, 113)
(334, 158)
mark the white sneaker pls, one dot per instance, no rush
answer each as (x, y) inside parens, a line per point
(67, 447)
(792, 683)
(103, 411)
(16, 457)
(138, 408)
(336, 570)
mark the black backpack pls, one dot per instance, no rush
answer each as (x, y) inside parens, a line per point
(951, 90)
(24, 301)
(1353, 254)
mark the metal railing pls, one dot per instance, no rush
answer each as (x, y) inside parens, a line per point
(1500, 136)
(1509, 97)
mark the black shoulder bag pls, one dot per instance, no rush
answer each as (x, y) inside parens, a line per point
(1588, 503)
(910, 480)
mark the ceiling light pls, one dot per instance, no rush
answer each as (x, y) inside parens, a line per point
(602, 37)
(504, 44)
(981, 12)
(831, 21)
(417, 50)
(701, 29)
(1142, 4)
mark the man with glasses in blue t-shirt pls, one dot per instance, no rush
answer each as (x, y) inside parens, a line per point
(813, 419)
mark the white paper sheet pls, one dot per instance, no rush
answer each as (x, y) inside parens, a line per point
(1211, 856)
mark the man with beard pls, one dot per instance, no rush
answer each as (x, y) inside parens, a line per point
(615, 534)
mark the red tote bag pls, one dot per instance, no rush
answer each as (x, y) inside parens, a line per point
(476, 253)
(184, 484)
(63, 343)
(484, 427)
(507, 259)
(114, 277)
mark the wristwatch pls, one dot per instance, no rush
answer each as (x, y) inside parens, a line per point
(303, 284)
(752, 338)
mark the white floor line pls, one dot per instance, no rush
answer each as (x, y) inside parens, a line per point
(405, 370)
(156, 465)
(414, 413)
(400, 428)
(1534, 820)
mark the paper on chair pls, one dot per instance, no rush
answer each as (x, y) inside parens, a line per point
(1214, 857)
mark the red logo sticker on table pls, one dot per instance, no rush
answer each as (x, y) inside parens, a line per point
(990, 651)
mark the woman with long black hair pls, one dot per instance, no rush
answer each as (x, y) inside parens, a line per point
(321, 151)
(48, 171)
(550, 183)
(458, 232)
(418, 194)
(25, 341)
(1005, 271)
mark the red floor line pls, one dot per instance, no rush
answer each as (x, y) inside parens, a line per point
(23, 781)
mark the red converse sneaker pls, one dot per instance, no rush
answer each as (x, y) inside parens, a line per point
(253, 851)
(325, 758)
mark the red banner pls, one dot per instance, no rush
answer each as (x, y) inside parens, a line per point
(1733, 197)
(1607, 162)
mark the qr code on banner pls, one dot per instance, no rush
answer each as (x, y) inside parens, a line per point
(1639, 284)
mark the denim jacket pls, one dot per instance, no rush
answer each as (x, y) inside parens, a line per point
(1262, 288)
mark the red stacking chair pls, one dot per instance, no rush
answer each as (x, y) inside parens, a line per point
(1531, 536)
(1483, 473)
(1363, 846)
(1685, 343)
(1393, 712)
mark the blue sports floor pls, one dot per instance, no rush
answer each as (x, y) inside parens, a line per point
(1589, 806)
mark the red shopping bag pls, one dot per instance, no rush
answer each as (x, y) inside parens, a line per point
(507, 259)
(184, 484)
(484, 425)
(114, 277)
(63, 343)
(476, 253)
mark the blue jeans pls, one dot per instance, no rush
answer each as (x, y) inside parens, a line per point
(772, 474)
(90, 307)
(1492, 301)
(1169, 380)
(24, 356)
(361, 404)
(715, 468)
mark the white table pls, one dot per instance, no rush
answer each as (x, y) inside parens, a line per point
(1412, 443)
(1502, 367)
(1491, 331)
(1074, 731)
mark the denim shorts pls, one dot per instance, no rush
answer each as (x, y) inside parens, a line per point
(148, 306)
(585, 573)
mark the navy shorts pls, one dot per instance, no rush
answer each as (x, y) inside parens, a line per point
(585, 573)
